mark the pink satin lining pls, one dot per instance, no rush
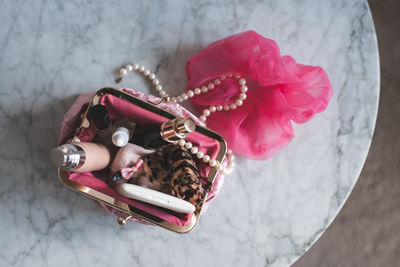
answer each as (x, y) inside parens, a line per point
(119, 108)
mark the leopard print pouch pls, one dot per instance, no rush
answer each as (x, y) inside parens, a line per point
(175, 170)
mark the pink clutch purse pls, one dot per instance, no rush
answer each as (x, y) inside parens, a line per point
(146, 110)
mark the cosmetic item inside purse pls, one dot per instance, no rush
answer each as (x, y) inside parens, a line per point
(119, 108)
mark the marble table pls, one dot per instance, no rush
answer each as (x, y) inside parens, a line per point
(268, 213)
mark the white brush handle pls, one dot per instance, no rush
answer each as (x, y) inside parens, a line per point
(155, 197)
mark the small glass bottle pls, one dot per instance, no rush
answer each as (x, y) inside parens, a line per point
(101, 120)
(123, 131)
(151, 137)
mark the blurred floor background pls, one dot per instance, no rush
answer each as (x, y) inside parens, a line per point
(367, 230)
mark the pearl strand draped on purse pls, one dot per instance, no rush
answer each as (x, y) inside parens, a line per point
(223, 167)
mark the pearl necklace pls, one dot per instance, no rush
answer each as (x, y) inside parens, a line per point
(225, 167)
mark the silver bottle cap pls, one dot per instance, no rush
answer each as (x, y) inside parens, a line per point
(67, 157)
(121, 137)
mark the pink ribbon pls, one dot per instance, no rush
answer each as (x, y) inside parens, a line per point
(128, 172)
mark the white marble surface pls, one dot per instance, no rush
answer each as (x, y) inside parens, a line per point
(268, 213)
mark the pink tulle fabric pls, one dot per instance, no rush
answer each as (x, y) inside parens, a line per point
(280, 91)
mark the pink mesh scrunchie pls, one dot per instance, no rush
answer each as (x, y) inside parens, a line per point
(280, 91)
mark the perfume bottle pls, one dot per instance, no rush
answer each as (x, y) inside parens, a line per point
(151, 137)
(123, 131)
(80, 157)
(101, 120)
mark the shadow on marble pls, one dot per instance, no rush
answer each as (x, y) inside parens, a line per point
(31, 177)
